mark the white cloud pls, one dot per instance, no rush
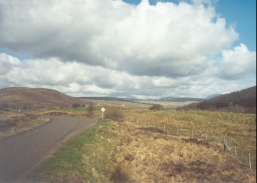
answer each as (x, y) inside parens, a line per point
(163, 38)
(209, 2)
(105, 47)
(237, 63)
(78, 79)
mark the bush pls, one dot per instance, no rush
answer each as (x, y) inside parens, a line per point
(76, 105)
(156, 107)
(90, 110)
(114, 114)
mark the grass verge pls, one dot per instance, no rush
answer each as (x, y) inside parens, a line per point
(84, 158)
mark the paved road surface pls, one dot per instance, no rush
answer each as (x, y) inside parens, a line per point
(21, 152)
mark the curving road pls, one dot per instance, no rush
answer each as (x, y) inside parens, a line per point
(19, 153)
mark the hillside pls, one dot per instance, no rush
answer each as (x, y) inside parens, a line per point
(212, 96)
(33, 98)
(180, 99)
(238, 101)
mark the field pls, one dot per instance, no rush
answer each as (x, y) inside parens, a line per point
(155, 146)
(137, 104)
(204, 125)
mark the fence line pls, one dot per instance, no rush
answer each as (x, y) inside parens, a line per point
(204, 136)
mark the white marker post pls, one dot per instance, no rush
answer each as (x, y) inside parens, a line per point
(103, 109)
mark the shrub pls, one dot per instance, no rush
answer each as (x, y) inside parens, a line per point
(156, 107)
(122, 174)
(90, 109)
(114, 114)
(76, 105)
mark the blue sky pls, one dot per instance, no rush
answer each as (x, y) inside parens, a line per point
(243, 13)
(130, 48)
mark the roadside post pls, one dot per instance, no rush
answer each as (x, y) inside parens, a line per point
(103, 109)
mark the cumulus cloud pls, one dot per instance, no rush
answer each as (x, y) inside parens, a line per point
(78, 79)
(237, 63)
(165, 40)
(7, 63)
(111, 48)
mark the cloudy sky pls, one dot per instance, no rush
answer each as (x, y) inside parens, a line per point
(131, 48)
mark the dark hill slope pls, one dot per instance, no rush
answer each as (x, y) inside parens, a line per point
(238, 101)
(33, 98)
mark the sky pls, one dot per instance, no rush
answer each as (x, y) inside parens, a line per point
(147, 49)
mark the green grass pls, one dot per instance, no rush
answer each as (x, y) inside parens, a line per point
(86, 157)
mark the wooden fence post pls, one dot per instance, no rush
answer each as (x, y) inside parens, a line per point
(224, 142)
(235, 153)
(249, 159)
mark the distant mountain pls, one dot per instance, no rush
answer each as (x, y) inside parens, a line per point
(180, 99)
(167, 98)
(212, 96)
(106, 98)
(238, 101)
(118, 99)
(33, 98)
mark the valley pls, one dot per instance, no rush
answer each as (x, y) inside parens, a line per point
(161, 145)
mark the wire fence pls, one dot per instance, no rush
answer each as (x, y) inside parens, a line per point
(243, 156)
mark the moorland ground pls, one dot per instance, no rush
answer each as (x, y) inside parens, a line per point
(155, 146)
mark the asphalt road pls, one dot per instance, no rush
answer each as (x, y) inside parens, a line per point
(19, 153)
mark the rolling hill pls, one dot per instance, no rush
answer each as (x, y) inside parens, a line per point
(33, 98)
(212, 96)
(180, 99)
(238, 101)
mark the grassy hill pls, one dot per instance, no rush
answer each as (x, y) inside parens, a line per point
(33, 98)
(238, 101)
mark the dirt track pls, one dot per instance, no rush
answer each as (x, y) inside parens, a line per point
(19, 153)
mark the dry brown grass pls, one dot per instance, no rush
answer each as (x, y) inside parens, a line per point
(12, 123)
(127, 152)
(240, 128)
(123, 174)
(80, 112)
(151, 155)
(34, 98)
